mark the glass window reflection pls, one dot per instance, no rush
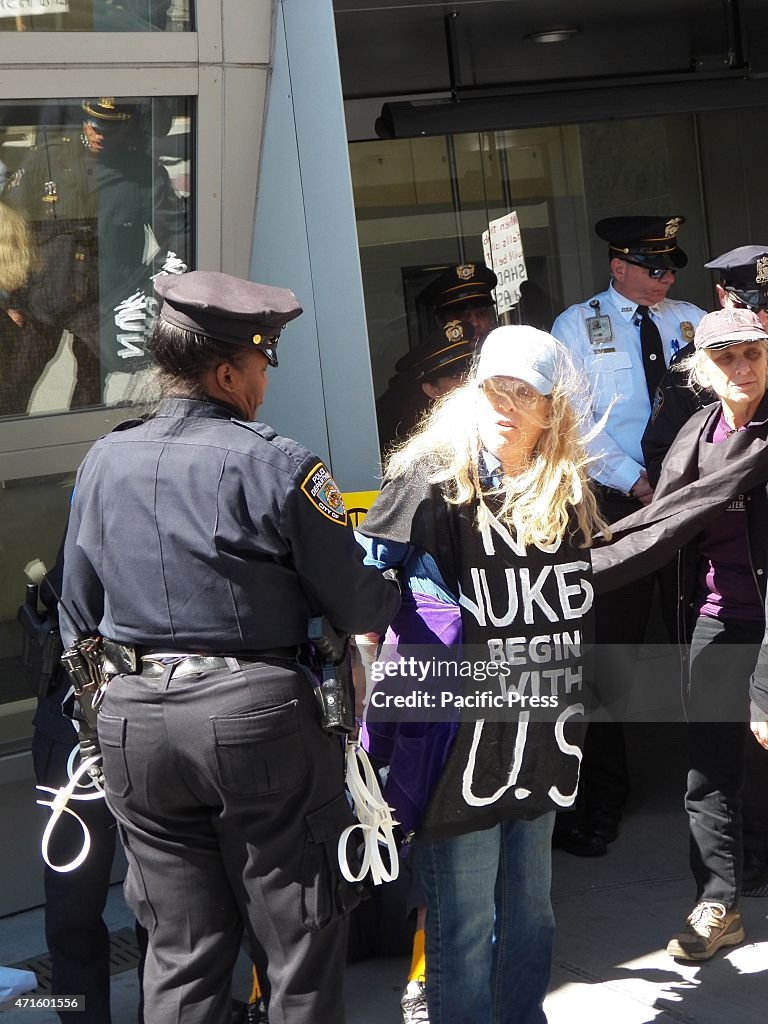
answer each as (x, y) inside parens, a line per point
(96, 16)
(95, 203)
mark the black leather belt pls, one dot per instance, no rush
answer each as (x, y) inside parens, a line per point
(612, 494)
(130, 659)
(192, 665)
(153, 665)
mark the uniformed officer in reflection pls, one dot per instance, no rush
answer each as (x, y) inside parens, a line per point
(426, 372)
(103, 216)
(201, 542)
(463, 292)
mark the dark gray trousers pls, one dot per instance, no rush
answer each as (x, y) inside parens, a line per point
(723, 656)
(230, 802)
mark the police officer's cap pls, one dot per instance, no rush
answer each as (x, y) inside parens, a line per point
(646, 241)
(108, 114)
(447, 352)
(227, 308)
(744, 272)
(465, 284)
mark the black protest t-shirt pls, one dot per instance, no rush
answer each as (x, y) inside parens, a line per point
(527, 626)
(526, 611)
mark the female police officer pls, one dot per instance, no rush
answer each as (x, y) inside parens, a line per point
(199, 543)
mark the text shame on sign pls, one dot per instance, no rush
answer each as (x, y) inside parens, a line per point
(503, 250)
(13, 8)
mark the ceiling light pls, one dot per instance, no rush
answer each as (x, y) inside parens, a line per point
(552, 35)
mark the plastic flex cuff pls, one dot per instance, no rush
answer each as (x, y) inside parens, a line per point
(59, 802)
(374, 819)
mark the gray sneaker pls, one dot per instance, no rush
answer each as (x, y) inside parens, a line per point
(414, 1003)
(709, 927)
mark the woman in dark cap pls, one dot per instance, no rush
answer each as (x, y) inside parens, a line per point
(199, 545)
(711, 503)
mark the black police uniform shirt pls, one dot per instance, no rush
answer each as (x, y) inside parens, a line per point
(196, 531)
(674, 403)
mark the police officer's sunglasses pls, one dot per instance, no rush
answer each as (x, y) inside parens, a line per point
(655, 273)
(756, 301)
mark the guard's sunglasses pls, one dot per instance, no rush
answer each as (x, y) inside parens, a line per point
(655, 273)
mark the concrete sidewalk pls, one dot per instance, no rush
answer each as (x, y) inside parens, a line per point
(614, 917)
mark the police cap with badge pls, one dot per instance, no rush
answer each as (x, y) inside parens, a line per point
(227, 308)
(649, 242)
(108, 115)
(464, 285)
(447, 352)
(744, 274)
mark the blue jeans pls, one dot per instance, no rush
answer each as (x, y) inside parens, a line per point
(489, 925)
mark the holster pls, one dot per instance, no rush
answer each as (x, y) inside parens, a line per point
(327, 662)
(85, 665)
(333, 687)
(41, 648)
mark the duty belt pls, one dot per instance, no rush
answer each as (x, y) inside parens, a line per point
(130, 659)
(191, 665)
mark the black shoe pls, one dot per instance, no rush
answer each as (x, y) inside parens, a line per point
(257, 1013)
(603, 824)
(581, 842)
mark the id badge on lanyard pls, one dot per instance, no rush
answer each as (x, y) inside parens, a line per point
(600, 333)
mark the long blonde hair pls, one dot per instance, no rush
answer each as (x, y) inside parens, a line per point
(541, 502)
(16, 251)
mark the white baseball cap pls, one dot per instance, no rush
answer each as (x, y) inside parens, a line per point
(523, 352)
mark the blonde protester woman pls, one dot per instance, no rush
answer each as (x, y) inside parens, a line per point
(488, 513)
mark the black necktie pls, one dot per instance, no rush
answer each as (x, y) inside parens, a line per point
(654, 364)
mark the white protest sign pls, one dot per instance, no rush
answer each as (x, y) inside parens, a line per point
(13, 8)
(503, 250)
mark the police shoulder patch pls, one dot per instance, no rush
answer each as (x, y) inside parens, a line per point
(321, 490)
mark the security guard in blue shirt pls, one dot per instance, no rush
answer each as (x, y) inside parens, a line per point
(603, 334)
(622, 340)
(199, 544)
